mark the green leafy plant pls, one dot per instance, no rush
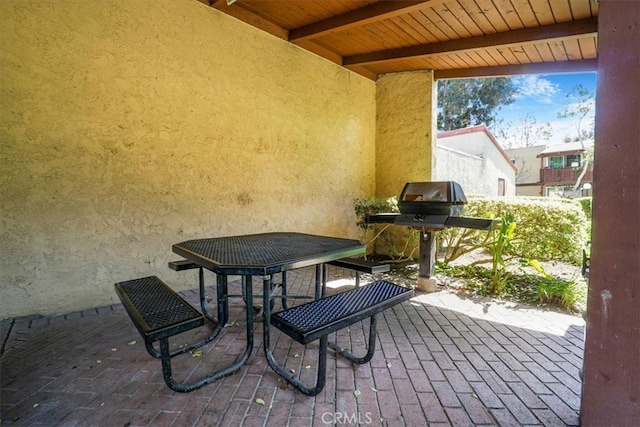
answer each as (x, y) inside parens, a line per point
(548, 229)
(391, 237)
(539, 288)
(500, 246)
(372, 205)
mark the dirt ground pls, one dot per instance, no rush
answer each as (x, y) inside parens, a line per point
(554, 268)
(406, 273)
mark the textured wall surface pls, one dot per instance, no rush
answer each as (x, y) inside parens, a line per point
(127, 126)
(405, 139)
(475, 163)
(477, 175)
(405, 133)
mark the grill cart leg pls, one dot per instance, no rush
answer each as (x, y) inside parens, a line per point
(426, 282)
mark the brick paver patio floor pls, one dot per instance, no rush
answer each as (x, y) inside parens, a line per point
(441, 360)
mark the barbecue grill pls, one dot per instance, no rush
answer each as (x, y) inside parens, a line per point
(429, 207)
(432, 206)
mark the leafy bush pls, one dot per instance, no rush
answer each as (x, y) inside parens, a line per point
(547, 228)
(372, 205)
(500, 245)
(585, 202)
(388, 234)
(531, 228)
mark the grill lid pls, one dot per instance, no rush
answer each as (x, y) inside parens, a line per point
(432, 198)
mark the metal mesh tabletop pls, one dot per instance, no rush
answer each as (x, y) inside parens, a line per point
(266, 253)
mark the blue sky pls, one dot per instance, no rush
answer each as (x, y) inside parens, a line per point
(543, 96)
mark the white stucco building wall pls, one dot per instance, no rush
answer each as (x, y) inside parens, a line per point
(473, 158)
(528, 163)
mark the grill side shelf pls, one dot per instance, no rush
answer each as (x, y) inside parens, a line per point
(381, 218)
(474, 223)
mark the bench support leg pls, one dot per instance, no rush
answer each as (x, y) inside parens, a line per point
(291, 377)
(371, 345)
(223, 318)
(166, 354)
(314, 390)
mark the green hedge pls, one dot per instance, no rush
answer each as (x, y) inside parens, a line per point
(546, 228)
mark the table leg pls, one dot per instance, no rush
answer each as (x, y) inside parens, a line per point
(325, 275)
(223, 298)
(319, 281)
(203, 299)
(266, 311)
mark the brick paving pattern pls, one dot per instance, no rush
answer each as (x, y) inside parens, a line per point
(441, 360)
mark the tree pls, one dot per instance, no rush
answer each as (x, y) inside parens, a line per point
(469, 102)
(580, 105)
(526, 133)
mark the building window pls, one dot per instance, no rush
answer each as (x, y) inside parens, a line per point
(559, 191)
(556, 162)
(573, 161)
(501, 187)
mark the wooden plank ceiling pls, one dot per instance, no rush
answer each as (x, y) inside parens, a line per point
(456, 38)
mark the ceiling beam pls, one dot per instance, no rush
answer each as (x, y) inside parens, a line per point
(577, 66)
(237, 11)
(358, 17)
(320, 51)
(555, 32)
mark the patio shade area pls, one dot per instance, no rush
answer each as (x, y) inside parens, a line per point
(129, 126)
(441, 358)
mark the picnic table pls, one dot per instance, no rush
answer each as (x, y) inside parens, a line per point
(262, 255)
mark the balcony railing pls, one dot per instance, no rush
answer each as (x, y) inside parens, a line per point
(563, 175)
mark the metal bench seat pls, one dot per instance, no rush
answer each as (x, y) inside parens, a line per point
(317, 319)
(155, 309)
(360, 265)
(308, 322)
(160, 313)
(183, 264)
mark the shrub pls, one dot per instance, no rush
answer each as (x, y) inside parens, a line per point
(521, 286)
(397, 243)
(586, 203)
(547, 228)
(372, 205)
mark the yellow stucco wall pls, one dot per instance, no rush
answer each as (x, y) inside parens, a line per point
(405, 139)
(126, 126)
(405, 133)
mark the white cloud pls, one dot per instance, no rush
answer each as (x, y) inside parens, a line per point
(536, 88)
